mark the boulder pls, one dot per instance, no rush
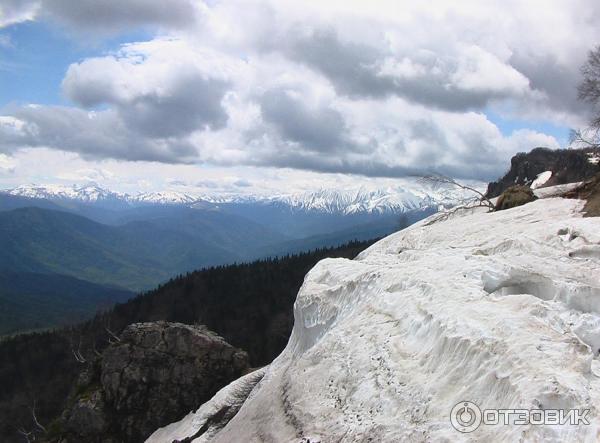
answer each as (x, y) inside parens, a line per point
(515, 196)
(156, 374)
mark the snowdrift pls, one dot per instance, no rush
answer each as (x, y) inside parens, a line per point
(499, 309)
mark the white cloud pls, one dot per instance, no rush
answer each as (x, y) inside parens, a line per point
(17, 11)
(117, 15)
(105, 17)
(48, 166)
(372, 88)
(7, 164)
(86, 175)
(479, 70)
(92, 134)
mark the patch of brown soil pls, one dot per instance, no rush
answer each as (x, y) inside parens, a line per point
(589, 191)
(514, 196)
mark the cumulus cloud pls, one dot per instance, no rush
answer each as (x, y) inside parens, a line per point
(462, 78)
(105, 17)
(156, 92)
(101, 134)
(7, 164)
(110, 16)
(373, 88)
(350, 66)
(192, 103)
(17, 11)
(142, 103)
(394, 138)
(319, 128)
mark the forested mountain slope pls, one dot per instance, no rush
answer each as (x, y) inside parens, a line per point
(250, 305)
(135, 256)
(35, 301)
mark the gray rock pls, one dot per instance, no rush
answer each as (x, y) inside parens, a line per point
(154, 376)
(87, 417)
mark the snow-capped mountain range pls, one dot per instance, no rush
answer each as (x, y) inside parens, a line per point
(93, 193)
(86, 193)
(406, 197)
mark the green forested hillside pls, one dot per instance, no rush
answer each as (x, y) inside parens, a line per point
(135, 256)
(36, 301)
(249, 304)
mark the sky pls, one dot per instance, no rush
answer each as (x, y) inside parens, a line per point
(259, 96)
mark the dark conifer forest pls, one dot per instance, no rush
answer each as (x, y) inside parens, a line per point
(249, 304)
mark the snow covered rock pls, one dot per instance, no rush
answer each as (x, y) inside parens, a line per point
(500, 309)
(541, 179)
(214, 415)
(543, 167)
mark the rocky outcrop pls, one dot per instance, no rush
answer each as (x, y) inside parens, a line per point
(515, 196)
(155, 374)
(566, 165)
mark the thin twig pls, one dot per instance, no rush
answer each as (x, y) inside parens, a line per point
(77, 352)
(26, 434)
(446, 214)
(112, 335)
(35, 420)
(96, 353)
(577, 136)
(483, 199)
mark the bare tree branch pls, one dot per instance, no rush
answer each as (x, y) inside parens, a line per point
(483, 199)
(96, 353)
(446, 214)
(589, 88)
(78, 356)
(589, 138)
(77, 352)
(35, 420)
(30, 436)
(112, 336)
(26, 434)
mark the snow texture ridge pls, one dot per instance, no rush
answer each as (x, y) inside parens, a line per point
(501, 309)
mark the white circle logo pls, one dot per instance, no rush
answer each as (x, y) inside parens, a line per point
(465, 416)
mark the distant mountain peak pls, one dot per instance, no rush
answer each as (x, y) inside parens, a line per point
(362, 199)
(92, 192)
(407, 196)
(88, 193)
(164, 197)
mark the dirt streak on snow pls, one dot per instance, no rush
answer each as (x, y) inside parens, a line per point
(502, 309)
